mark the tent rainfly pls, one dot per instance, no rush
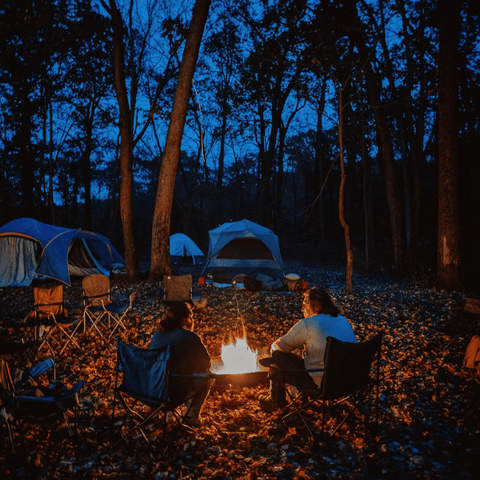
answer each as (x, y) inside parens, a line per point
(243, 247)
(184, 250)
(30, 249)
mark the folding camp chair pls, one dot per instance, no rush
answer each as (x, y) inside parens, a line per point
(177, 288)
(52, 323)
(143, 388)
(26, 399)
(98, 303)
(347, 375)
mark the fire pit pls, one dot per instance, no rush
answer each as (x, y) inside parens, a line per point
(223, 379)
(239, 366)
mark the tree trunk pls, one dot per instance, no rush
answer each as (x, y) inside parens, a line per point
(341, 205)
(27, 160)
(367, 209)
(385, 144)
(448, 273)
(218, 211)
(267, 166)
(126, 145)
(160, 260)
(87, 168)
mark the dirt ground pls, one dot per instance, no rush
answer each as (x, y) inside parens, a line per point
(429, 416)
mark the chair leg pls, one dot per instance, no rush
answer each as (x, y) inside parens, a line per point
(296, 410)
(70, 339)
(118, 323)
(9, 429)
(344, 419)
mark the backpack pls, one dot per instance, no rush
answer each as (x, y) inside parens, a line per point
(472, 355)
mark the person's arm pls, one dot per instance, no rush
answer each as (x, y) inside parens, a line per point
(293, 339)
(201, 360)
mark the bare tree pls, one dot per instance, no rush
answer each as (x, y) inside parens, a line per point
(341, 196)
(448, 273)
(160, 259)
(126, 136)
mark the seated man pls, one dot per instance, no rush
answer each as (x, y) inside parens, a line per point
(321, 321)
(188, 356)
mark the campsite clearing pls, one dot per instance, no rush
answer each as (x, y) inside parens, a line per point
(429, 410)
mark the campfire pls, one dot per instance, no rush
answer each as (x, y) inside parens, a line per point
(238, 362)
(237, 357)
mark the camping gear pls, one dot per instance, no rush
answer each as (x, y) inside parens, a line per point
(177, 288)
(98, 303)
(143, 378)
(27, 400)
(472, 354)
(243, 247)
(184, 250)
(29, 248)
(50, 317)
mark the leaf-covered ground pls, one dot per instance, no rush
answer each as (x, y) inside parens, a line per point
(429, 416)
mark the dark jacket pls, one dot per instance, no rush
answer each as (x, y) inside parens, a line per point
(188, 355)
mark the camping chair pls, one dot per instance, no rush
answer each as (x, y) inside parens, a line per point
(347, 375)
(142, 388)
(99, 305)
(177, 288)
(51, 320)
(25, 398)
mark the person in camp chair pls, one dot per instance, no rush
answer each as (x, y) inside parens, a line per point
(321, 320)
(188, 356)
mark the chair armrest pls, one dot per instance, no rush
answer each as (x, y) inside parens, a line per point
(24, 398)
(205, 375)
(42, 367)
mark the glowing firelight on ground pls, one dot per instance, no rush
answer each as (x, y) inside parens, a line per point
(238, 357)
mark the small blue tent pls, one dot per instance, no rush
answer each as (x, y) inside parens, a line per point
(243, 247)
(184, 250)
(30, 249)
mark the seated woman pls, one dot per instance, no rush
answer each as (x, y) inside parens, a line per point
(188, 356)
(321, 320)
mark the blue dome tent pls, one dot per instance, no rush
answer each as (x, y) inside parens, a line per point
(184, 250)
(31, 249)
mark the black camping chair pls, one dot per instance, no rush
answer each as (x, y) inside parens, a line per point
(144, 390)
(26, 400)
(348, 374)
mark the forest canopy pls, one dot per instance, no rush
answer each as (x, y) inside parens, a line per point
(261, 140)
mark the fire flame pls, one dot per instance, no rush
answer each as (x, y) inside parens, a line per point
(238, 357)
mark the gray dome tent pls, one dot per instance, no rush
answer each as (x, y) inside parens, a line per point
(243, 247)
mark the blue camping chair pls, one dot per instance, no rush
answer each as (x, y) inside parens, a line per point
(25, 400)
(143, 386)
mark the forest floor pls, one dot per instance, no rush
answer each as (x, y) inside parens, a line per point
(429, 417)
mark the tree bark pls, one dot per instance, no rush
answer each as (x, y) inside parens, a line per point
(160, 257)
(341, 203)
(126, 145)
(385, 143)
(448, 258)
(385, 146)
